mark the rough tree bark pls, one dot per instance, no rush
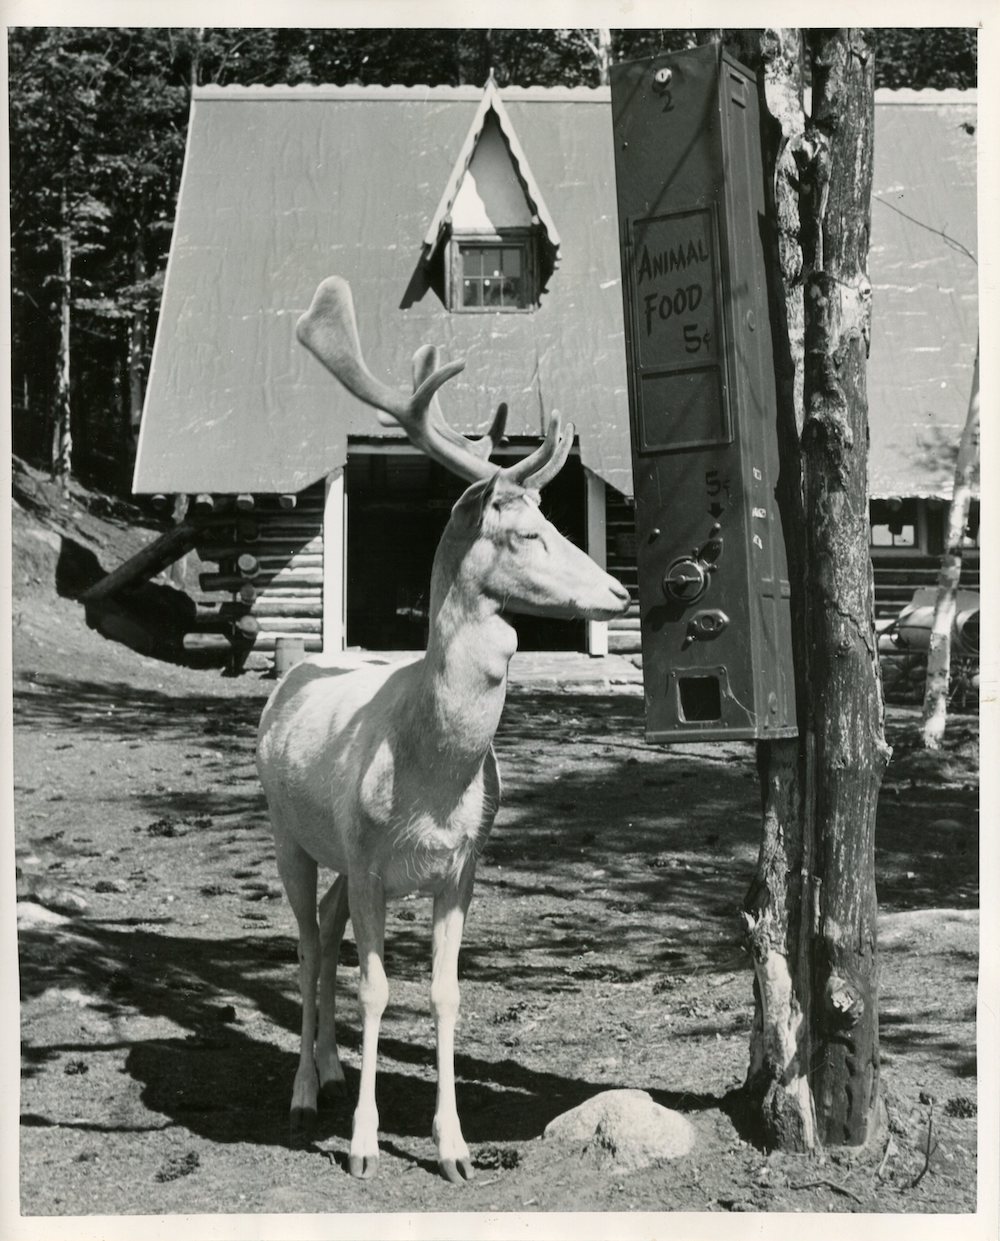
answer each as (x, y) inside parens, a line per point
(939, 651)
(777, 1089)
(846, 714)
(809, 915)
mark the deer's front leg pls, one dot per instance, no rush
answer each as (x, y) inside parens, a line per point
(298, 873)
(450, 908)
(367, 904)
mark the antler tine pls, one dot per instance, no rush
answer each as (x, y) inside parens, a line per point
(424, 364)
(487, 444)
(329, 331)
(556, 462)
(541, 466)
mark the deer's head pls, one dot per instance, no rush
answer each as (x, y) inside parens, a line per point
(497, 542)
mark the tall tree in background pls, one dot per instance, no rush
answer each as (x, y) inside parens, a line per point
(57, 216)
(140, 119)
(810, 912)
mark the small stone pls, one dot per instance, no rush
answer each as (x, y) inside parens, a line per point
(111, 885)
(625, 1128)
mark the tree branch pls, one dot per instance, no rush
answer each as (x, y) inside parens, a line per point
(938, 232)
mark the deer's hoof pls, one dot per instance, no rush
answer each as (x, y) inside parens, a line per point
(458, 1171)
(364, 1167)
(330, 1095)
(302, 1125)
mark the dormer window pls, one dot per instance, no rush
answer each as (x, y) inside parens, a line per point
(491, 246)
(493, 273)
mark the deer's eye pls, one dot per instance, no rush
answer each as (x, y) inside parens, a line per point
(527, 534)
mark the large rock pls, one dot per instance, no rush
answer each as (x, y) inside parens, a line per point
(31, 914)
(625, 1128)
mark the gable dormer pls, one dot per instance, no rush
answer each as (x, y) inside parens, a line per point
(491, 245)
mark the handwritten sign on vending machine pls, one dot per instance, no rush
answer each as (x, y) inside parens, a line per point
(674, 280)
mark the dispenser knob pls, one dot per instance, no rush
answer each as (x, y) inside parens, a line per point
(686, 580)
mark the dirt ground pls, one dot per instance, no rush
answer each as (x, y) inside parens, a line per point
(159, 1000)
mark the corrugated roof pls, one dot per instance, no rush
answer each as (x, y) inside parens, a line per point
(286, 185)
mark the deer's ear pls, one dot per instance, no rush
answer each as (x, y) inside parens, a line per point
(488, 493)
(475, 501)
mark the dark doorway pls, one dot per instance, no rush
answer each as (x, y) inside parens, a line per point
(398, 504)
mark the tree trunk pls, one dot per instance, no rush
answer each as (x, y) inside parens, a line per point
(197, 47)
(777, 907)
(810, 912)
(599, 45)
(846, 715)
(136, 345)
(61, 456)
(939, 651)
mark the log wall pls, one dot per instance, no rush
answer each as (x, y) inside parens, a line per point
(261, 571)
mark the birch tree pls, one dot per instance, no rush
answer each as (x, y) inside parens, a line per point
(935, 713)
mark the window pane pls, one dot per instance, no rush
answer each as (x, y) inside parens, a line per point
(511, 295)
(493, 276)
(491, 262)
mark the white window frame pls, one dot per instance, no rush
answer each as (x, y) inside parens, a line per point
(524, 239)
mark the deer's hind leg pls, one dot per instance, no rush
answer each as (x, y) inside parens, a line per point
(333, 915)
(298, 874)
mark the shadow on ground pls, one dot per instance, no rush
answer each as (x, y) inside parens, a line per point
(625, 863)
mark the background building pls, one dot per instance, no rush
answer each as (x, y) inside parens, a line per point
(484, 222)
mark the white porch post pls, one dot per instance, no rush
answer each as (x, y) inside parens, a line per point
(597, 631)
(335, 564)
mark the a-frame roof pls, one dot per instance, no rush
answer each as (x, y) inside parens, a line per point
(284, 186)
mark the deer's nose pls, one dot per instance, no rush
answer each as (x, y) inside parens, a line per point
(620, 592)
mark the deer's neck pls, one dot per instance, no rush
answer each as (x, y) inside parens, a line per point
(463, 683)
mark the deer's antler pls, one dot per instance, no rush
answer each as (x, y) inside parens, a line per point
(541, 466)
(329, 331)
(424, 365)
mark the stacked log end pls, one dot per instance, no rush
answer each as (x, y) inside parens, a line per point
(267, 581)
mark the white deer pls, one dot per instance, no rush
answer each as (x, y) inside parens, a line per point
(387, 775)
